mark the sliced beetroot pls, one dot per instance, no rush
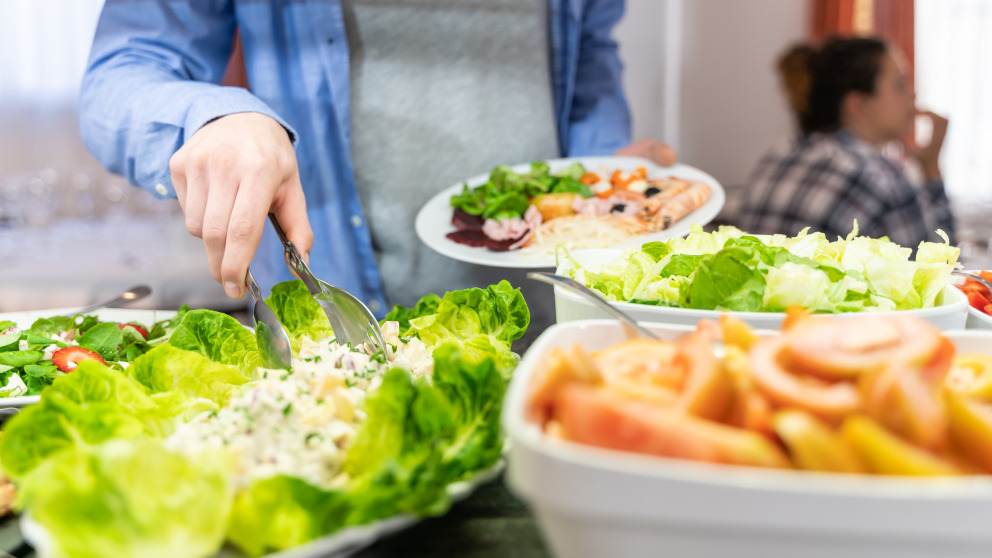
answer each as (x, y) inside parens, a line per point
(466, 221)
(478, 238)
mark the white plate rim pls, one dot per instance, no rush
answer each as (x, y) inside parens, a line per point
(433, 220)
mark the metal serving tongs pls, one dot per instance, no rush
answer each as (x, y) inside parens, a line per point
(591, 296)
(350, 319)
(273, 341)
(629, 323)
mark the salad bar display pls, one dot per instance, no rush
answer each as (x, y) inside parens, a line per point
(171, 439)
(193, 447)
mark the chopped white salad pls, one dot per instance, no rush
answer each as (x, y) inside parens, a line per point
(301, 422)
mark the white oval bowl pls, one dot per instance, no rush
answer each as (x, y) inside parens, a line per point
(950, 313)
(593, 502)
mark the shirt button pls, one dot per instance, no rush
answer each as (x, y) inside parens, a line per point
(374, 306)
(356, 221)
(161, 189)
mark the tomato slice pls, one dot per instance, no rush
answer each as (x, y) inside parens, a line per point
(708, 389)
(828, 400)
(598, 417)
(977, 300)
(838, 349)
(559, 368)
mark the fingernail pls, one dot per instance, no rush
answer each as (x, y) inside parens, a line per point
(232, 290)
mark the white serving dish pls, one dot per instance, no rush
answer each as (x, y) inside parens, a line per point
(593, 502)
(978, 320)
(951, 312)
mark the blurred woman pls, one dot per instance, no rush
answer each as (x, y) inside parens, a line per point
(852, 100)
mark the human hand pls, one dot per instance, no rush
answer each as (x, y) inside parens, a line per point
(652, 149)
(928, 155)
(228, 176)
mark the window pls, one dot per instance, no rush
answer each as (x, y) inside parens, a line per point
(954, 78)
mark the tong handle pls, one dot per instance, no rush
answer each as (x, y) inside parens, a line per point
(296, 259)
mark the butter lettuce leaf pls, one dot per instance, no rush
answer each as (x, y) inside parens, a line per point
(299, 312)
(87, 407)
(219, 337)
(130, 498)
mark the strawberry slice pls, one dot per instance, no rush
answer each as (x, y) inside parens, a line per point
(66, 358)
(138, 327)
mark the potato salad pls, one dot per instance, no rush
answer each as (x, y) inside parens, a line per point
(301, 422)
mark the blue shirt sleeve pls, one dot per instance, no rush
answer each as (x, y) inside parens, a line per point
(152, 81)
(599, 121)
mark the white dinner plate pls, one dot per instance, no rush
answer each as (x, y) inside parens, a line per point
(434, 219)
(25, 319)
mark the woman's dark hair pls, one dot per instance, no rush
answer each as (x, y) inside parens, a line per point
(817, 80)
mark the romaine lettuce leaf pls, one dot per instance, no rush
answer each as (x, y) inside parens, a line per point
(130, 498)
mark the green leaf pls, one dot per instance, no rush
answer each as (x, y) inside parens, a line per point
(682, 265)
(162, 329)
(299, 313)
(130, 498)
(40, 370)
(8, 341)
(484, 322)
(17, 359)
(284, 512)
(105, 338)
(187, 373)
(426, 305)
(89, 406)
(218, 337)
(655, 250)
(727, 280)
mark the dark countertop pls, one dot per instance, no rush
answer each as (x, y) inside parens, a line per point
(491, 523)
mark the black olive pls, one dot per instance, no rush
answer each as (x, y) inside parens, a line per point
(618, 208)
(651, 191)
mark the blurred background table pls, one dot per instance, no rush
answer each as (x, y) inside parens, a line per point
(73, 237)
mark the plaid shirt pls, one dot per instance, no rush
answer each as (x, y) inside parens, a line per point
(826, 181)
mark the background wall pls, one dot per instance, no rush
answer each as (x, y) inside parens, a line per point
(726, 100)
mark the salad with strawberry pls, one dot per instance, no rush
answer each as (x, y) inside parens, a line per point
(31, 359)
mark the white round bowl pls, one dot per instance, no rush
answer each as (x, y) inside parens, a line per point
(951, 312)
(592, 502)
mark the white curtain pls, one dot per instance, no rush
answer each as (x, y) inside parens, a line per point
(954, 78)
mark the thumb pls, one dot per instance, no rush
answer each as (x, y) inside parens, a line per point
(291, 212)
